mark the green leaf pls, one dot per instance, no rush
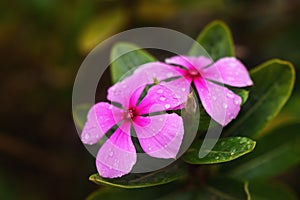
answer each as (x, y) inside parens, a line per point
(216, 39)
(265, 191)
(223, 188)
(126, 57)
(226, 149)
(273, 84)
(276, 152)
(159, 177)
(244, 94)
(80, 114)
(150, 193)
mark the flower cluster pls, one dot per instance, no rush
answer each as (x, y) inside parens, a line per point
(136, 108)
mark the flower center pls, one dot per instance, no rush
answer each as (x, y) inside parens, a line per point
(193, 72)
(130, 113)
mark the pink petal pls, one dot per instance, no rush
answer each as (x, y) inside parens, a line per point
(157, 70)
(117, 155)
(101, 117)
(229, 71)
(121, 92)
(159, 98)
(190, 62)
(161, 135)
(219, 102)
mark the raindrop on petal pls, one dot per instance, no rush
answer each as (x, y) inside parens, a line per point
(167, 106)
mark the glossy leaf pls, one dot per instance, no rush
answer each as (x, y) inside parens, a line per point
(159, 177)
(223, 189)
(226, 149)
(276, 152)
(125, 64)
(150, 193)
(265, 191)
(80, 114)
(216, 39)
(273, 84)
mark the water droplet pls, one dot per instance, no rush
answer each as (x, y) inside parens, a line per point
(222, 143)
(111, 153)
(249, 83)
(159, 91)
(217, 157)
(237, 101)
(87, 136)
(230, 95)
(167, 106)
(150, 148)
(161, 119)
(183, 89)
(231, 153)
(162, 98)
(225, 105)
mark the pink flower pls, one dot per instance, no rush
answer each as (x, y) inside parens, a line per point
(219, 102)
(159, 135)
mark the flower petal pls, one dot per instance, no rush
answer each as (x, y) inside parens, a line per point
(101, 117)
(180, 87)
(228, 71)
(121, 92)
(190, 62)
(157, 70)
(160, 135)
(117, 155)
(219, 102)
(159, 98)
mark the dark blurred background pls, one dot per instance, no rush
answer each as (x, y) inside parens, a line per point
(43, 43)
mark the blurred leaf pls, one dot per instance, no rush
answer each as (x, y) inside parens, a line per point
(223, 188)
(128, 62)
(226, 149)
(150, 193)
(266, 191)
(275, 153)
(273, 84)
(158, 177)
(101, 27)
(216, 39)
(80, 114)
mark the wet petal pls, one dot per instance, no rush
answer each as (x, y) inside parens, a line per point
(190, 62)
(123, 91)
(101, 117)
(159, 98)
(161, 135)
(157, 70)
(180, 87)
(219, 102)
(117, 155)
(229, 71)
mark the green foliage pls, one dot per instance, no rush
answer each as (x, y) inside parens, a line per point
(159, 177)
(275, 153)
(226, 149)
(269, 190)
(216, 39)
(273, 84)
(131, 56)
